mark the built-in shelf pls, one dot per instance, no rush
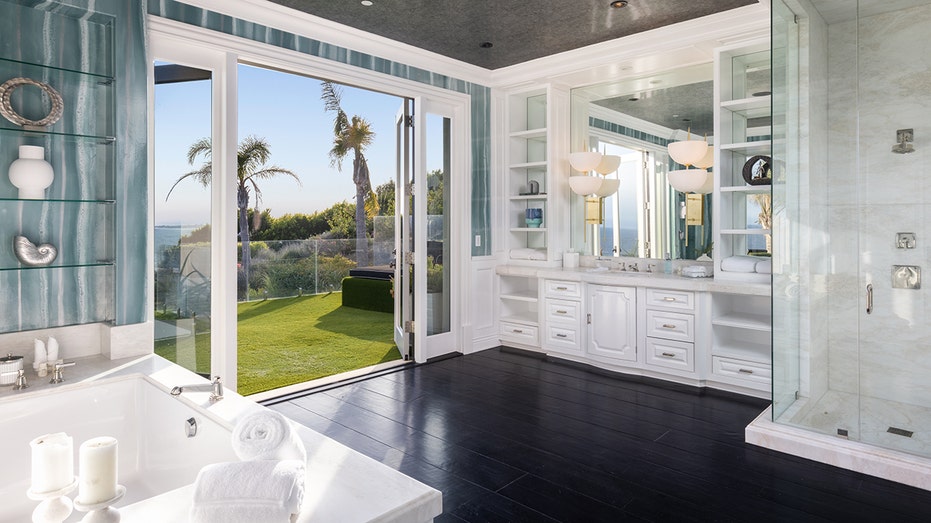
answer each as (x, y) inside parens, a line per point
(745, 350)
(528, 296)
(527, 318)
(56, 200)
(744, 320)
(745, 232)
(753, 107)
(528, 197)
(529, 165)
(528, 229)
(749, 148)
(61, 266)
(748, 189)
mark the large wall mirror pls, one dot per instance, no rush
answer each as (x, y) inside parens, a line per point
(635, 119)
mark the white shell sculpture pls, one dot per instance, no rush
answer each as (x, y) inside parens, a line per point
(30, 254)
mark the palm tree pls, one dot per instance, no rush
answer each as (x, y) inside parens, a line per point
(251, 157)
(352, 135)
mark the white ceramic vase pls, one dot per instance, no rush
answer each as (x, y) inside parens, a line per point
(31, 174)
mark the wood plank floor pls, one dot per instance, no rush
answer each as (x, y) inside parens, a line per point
(512, 437)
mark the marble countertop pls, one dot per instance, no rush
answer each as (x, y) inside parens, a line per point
(342, 484)
(656, 280)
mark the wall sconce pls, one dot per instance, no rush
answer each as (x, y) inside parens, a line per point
(594, 188)
(696, 154)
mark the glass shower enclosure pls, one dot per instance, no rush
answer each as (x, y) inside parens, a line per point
(852, 220)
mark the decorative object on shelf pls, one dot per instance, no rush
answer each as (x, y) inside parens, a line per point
(31, 255)
(534, 187)
(10, 366)
(31, 174)
(696, 156)
(904, 138)
(758, 170)
(6, 107)
(534, 217)
(52, 477)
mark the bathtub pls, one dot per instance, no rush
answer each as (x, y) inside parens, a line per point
(155, 453)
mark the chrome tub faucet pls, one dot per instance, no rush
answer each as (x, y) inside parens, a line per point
(215, 387)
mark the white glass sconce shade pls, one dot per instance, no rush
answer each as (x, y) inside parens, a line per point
(585, 185)
(608, 187)
(708, 186)
(31, 174)
(688, 180)
(608, 164)
(584, 161)
(688, 152)
(707, 161)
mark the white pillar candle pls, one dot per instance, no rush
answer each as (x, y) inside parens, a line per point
(52, 462)
(98, 463)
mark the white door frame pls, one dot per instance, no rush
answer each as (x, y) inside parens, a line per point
(184, 44)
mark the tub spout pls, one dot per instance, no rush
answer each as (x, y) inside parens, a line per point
(215, 387)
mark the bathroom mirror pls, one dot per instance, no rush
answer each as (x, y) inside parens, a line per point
(635, 118)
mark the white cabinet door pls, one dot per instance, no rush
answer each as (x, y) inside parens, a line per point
(612, 322)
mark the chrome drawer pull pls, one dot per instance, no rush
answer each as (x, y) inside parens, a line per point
(561, 312)
(669, 355)
(668, 326)
(669, 298)
(562, 336)
(517, 331)
(562, 288)
(745, 371)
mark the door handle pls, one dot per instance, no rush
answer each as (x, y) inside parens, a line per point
(869, 298)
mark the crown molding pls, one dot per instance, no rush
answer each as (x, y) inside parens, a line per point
(678, 45)
(277, 16)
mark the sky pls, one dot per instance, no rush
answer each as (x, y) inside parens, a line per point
(284, 109)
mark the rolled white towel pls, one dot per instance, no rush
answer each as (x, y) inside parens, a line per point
(527, 254)
(739, 264)
(765, 266)
(267, 435)
(248, 492)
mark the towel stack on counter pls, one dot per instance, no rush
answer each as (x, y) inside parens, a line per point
(748, 264)
(267, 486)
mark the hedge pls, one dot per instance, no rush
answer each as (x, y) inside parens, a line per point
(368, 294)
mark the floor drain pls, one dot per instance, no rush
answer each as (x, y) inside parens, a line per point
(899, 432)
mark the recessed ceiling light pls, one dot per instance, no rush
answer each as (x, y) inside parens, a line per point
(617, 4)
(486, 45)
(367, 3)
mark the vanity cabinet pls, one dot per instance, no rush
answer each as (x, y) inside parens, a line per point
(518, 310)
(611, 322)
(669, 330)
(741, 351)
(562, 316)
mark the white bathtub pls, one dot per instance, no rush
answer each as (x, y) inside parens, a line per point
(155, 453)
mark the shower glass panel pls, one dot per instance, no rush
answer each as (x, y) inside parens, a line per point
(851, 353)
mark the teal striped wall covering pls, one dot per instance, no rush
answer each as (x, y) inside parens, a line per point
(480, 95)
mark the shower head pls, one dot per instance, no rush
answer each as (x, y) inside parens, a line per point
(904, 137)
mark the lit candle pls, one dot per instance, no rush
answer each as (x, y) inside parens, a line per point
(98, 463)
(52, 462)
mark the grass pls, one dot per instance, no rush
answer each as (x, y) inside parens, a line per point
(293, 340)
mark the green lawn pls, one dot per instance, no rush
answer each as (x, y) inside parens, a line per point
(292, 340)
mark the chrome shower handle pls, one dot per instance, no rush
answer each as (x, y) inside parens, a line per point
(869, 298)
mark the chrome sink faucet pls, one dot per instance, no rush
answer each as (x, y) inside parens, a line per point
(633, 268)
(215, 387)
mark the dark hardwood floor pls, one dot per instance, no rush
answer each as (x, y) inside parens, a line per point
(512, 437)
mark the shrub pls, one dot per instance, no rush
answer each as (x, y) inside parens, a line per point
(368, 294)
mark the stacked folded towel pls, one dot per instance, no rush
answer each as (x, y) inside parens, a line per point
(266, 487)
(747, 264)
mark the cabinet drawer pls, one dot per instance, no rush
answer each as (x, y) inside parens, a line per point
(680, 300)
(562, 289)
(563, 338)
(743, 370)
(671, 354)
(670, 325)
(563, 311)
(518, 332)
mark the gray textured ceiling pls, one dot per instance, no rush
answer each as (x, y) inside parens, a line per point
(519, 30)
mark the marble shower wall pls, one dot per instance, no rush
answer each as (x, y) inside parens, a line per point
(879, 81)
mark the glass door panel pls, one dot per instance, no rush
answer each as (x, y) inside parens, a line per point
(182, 148)
(403, 287)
